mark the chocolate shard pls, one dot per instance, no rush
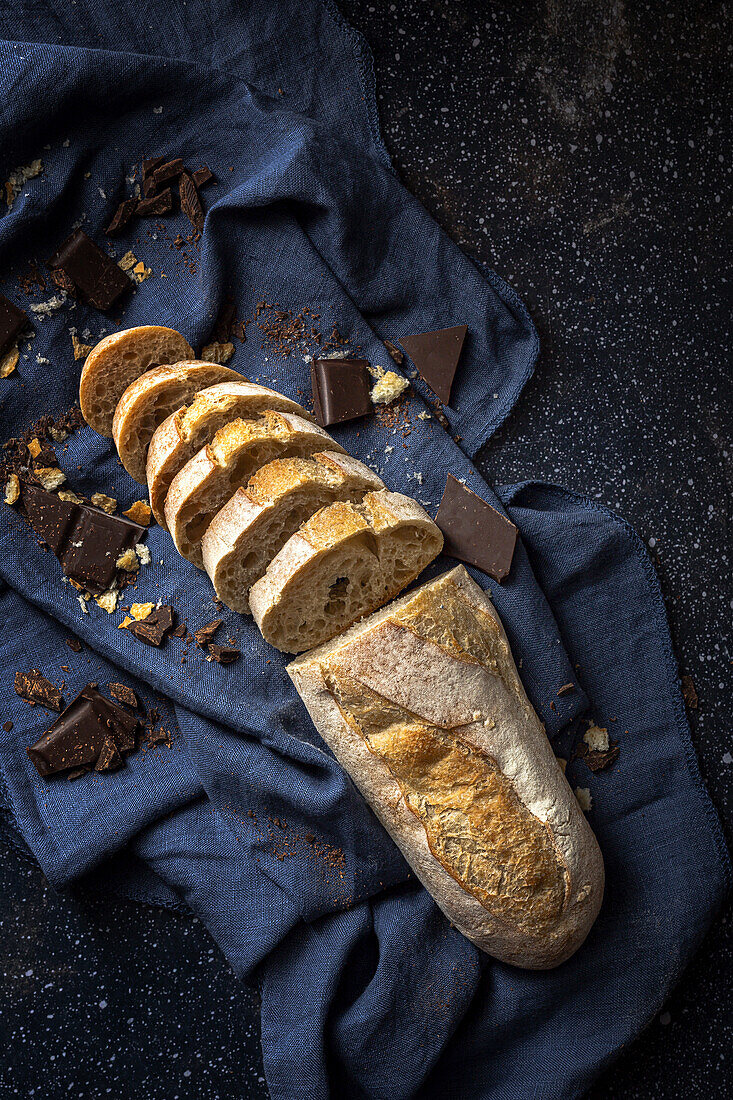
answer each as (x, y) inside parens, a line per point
(34, 687)
(597, 759)
(475, 532)
(94, 274)
(340, 390)
(123, 694)
(158, 203)
(204, 635)
(73, 741)
(109, 758)
(149, 167)
(153, 629)
(224, 654)
(87, 541)
(202, 176)
(394, 352)
(122, 217)
(12, 322)
(74, 645)
(435, 356)
(565, 689)
(167, 172)
(190, 201)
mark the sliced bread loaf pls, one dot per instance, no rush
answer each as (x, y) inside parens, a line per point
(343, 563)
(151, 398)
(185, 431)
(247, 533)
(117, 361)
(209, 479)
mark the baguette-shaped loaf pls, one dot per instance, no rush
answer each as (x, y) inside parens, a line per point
(423, 706)
(247, 533)
(185, 431)
(151, 398)
(210, 478)
(117, 361)
(343, 563)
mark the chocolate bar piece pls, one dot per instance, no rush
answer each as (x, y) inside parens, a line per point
(160, 202)
(83, 733)
(153, 629)
(149, 167)
(94, 274)
(167, 172)
(122, 216)
(190, 201)
(475, 532)
(436, 355)
(202, 176)
(340, 390)
(87, 541)
(12, 323)
(34, 687)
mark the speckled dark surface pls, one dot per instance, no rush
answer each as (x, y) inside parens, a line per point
(580, 148)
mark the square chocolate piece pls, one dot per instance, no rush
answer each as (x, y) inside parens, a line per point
(475, 532)
(95, 275)
(340, 390)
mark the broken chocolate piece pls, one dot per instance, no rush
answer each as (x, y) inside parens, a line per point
(475, 532)
(74, 645)
(167, 172)
(597, 759)
(689, 694)
(12, 322)
(94, 274)
(436, 355)
(109, 758)
(122, 216)
(204, 635)
(190, 201)
(79, 736)
(565, 689)
(153, 629)
(123, 694)
(340, 390)
(158, 203)
(149, 167)
(179, 631)
(224, 654)
(87, 541)
(34, 687)
(202, 176)
(7, 726)
(395, 352)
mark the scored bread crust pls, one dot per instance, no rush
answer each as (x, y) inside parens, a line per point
(151, 398)
(185, 431)
(426, 673)
(344, 562)
(209, 479)
(247, 533)
(118, 360)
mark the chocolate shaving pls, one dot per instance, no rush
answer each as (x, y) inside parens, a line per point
(190, 201)
(74, 645)
(122, 216)
(565, 689)
(7, 726)
(224, 654)
(155, 204)
(123, 694)
(153, 629)
(204, 635)
(395, 352)
(35, 688)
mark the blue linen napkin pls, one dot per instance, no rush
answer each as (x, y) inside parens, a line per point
(247, 818)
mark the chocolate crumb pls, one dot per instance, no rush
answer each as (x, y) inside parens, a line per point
(565, 689)
(74, 645)
(204, 635)
(224, 655)
(689, 693)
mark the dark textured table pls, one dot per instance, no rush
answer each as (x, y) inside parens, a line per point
(581, 149)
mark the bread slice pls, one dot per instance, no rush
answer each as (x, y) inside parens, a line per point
(117, 361)
(423, 706)
(185, 431)
(343, 563)
(151, 398)
(209, 479)
(244, 537)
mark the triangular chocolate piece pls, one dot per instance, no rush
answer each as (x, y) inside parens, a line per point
(436, 355)
(51, 518)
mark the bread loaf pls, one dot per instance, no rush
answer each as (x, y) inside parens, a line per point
(117, 361)
(151, 398)
(209, 479)
(247, 533)
(423, 706)
(185, 431)
(344, 562)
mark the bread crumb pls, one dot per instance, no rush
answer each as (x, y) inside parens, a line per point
(108, 600)
(58, 434)
(143, 554)
(389, 387)
(128, 561)
(424, 416)
(80, 350)
(596, 738)
(128, 261)
(141, 610)
(562, 762)
(12, 489)
(83, 604)
(18, 177)
(50, 477)
(69, 497)
(9, 362)
(107, 504)
(139, 512)
(584, 798)
(125, 622)
(45, 309)
(140, 272)
(34, 448)
(217, 353)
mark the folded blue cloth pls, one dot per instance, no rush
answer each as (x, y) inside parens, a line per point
(247, 819)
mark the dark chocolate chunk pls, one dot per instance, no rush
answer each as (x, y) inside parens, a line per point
(156, 737)
(167, 172)
(37, 689)
(12, 322)
(395, 352)
(204, 635)
(597, 759)
(475, 532)
(122, 216)
(689, 694)
(109, 758)
(74, 645)
(149, 167)
(190, 201)
(153, 629)
(123, 694)
(565, 689)
(7, 726)
(436, 355)
(74, 740)
(158, 203)
(202, 176)
(179, 631)
(340, 390)
(87, 541)
(97, 277)
(224, 654)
